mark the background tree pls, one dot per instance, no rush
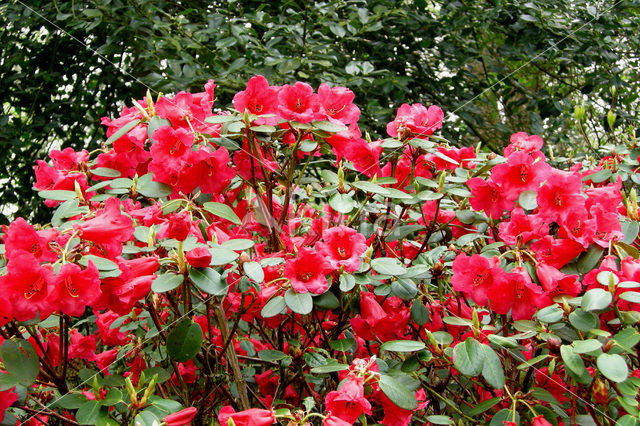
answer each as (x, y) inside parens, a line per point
(496, 67)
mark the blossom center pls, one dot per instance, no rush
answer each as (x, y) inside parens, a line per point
(71, 288)
(34, 288)
(480, 278)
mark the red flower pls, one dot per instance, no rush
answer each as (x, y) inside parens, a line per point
(516, 292)
(556, 283)
(332, 420)
(560, 196)
(75, 288)
(298, 102)
(418, 119)
(198, 257)
(348, 402)
(110, 228)
(556, 252)
(308, 272)
(387, 322)
(520, 173)
(250, 417)
(476, 276)
(20, 236)
(396, 416)
(488, 196)
(523, 142)
(208, 170)
(169, 153)
(258, 98)
(522, 227)
(181, 418)
(342, 247)
(540, 421)
(26, 286)
(179, 225)
(336, 104)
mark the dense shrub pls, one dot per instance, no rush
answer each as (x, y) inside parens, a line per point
(272, 264)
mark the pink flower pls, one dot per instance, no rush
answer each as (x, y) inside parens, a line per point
(560, 196)
(298, 102)
(198, 257)
(488, 196)
(342, 247)
(336, 104)
(181, 418)
(110, 228)
(75, 288)
(258, 98)
(419, 120)
(522, 142)
(250, 417)
(476, 276)
(348, 402)
(520, 173)
(308, 272)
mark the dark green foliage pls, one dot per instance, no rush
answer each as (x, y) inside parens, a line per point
(500, 66)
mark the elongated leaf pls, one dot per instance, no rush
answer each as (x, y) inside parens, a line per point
(184, 341)
(397, 392)
(223, 211)
(492, 369)
(468, 357)
(122, 131)
(208, 280)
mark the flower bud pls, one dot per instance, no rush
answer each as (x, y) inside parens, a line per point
(611, 119)
(600, 393)
(578, 112)
(553, 343)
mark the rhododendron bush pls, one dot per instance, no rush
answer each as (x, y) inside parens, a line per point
(272, 264)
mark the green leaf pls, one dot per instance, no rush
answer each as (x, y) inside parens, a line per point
(468, 357)
(550, 314)
(404, 288)
(215, 119)
(572, 360)
(342, 203)
(492, 369)
(527, 200)
(586, 346)
(506, 342)
(71, 401)
(20, 360)
(347, 282)
(221, 256)
(439, 419)
(402, 346)
(583, 321)
(326, 301)
(613, 367)
(503, 416)
(154, 124)
(590, 259)
(388, 266)
(105, 172)
(122, 131)
(57, 195)
(397, 392)
(300, 303)
(263, 128)
(342, 345)
(112, 397)
(271, 355)
(101, 263)
(208, 280)
(484, 406)
(331, 367)
(166, 282)
(254, 271)
(630, 296)
(596, 299)
(367, 186)
(328, 126)
(238, 244)
(274, 307)
(152, 189)
(88, 413)
(148, 418)
(184, 341)
(419, 312)
(223, 211)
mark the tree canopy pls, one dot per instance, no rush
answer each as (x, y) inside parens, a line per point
(495, 67)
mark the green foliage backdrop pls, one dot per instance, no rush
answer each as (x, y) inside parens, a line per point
(500, 66)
